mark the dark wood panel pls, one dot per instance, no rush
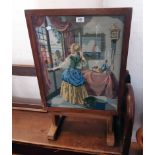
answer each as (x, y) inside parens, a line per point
(23, 70)
(79, 11)
(128, 116)
(36, 150)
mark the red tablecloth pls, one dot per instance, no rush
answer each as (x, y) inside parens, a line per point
(101, 84)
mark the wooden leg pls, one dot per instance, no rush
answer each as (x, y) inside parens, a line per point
(55, 125)
(110, 133)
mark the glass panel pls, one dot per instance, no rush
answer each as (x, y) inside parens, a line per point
(81, 58)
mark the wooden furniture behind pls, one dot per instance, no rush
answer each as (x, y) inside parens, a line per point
(78, 134)
(139, 137)
(26, 103)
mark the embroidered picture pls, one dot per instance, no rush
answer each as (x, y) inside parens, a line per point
(80, 58)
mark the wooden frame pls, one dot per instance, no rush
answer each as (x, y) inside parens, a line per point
(126, 12)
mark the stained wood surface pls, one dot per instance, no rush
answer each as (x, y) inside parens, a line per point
(78, 135)
(55, 126)
(36, 150)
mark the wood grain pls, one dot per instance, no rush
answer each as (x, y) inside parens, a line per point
(78, 135)
(55, 126)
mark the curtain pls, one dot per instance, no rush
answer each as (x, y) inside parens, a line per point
(65, 28)
(38, 20)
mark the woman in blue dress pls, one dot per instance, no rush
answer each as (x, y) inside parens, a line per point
(73, 83)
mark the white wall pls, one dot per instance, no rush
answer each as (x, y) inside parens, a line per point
(22, 51)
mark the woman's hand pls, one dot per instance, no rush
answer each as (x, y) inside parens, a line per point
(83, 58)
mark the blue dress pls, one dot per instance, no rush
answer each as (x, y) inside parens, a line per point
(73, 83)
(73, 75)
